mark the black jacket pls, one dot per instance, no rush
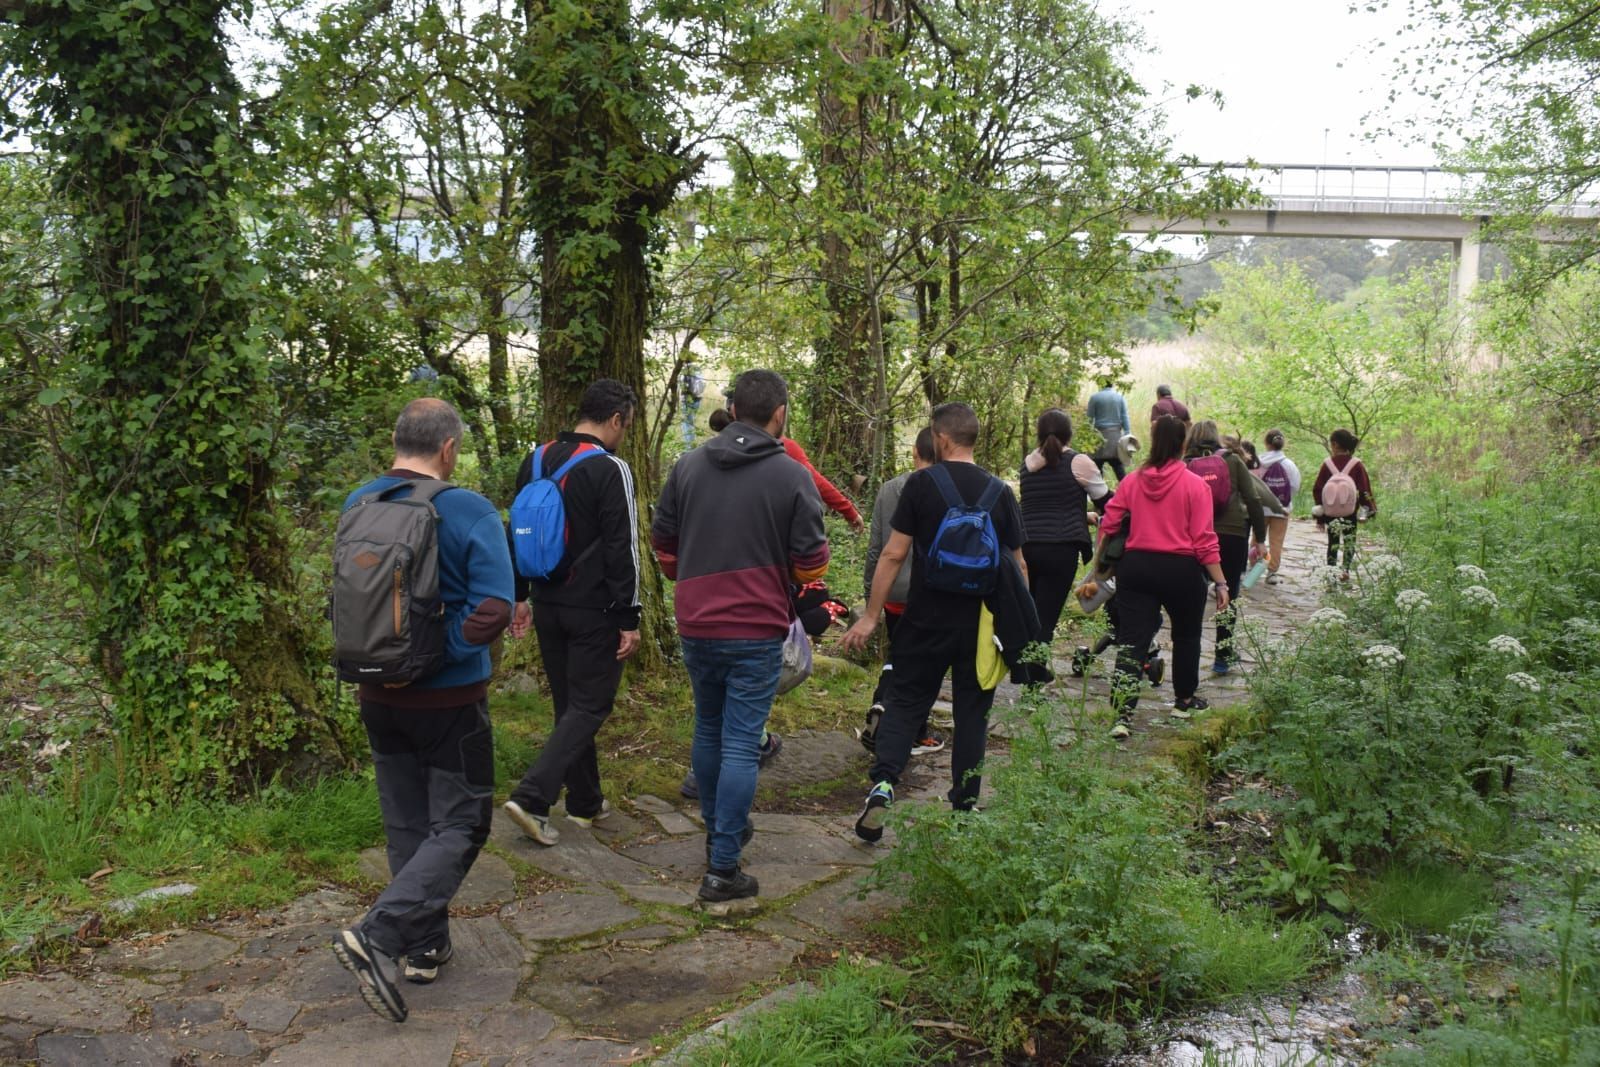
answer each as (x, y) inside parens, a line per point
(601, 570)
(1055, 508)
(1016, 620)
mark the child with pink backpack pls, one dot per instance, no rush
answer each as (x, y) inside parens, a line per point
(1343, 497)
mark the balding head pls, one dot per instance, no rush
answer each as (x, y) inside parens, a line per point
(425, 426)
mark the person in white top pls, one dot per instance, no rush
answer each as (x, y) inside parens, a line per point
(1283, 478)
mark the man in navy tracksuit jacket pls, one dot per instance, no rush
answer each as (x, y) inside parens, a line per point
(586, 615)
(432, 747)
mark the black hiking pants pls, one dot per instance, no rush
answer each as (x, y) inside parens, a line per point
(579, 649)
(1147, 584)
(921, 656)
(435, 771)
(1235, 550)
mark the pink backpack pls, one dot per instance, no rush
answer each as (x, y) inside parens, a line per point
(1213, 470)
(1340, 497)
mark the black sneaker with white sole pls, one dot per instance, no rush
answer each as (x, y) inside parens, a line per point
(869, 824)
(424, 966)
(720, 887)
(930, 741)
(868, 734)
(367, 963)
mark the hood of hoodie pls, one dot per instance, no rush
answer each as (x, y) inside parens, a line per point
(1156, 482)
(739, 444)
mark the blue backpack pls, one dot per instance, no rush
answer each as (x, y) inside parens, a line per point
(964, 556)
(539, 516)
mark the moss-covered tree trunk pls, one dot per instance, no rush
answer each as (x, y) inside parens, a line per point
(171, 413)
(601, 169)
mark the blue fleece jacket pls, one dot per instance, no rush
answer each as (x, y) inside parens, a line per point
(474, 566)
(1108, 410)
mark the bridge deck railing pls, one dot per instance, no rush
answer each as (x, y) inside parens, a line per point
(1367, 189)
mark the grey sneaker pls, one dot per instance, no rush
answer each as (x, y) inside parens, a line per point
(367, 963)
(535, 826)
(424, 967)
(586, 821)
(689, 789)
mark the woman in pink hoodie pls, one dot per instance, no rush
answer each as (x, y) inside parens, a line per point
(1171, 548)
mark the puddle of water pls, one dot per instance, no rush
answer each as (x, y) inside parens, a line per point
(1314, 1031)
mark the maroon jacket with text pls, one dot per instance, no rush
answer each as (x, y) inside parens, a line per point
(737, 521)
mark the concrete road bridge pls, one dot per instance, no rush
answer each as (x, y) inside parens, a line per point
(1373, 202)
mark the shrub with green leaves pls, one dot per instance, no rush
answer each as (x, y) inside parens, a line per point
(1462, 658)
(1067, 903)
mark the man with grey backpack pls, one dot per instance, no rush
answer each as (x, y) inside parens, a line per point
(422, 586)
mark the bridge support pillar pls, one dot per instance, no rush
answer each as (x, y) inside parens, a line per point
(1467, 253)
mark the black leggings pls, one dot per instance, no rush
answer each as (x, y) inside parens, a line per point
(1235, 557)
(1147, 583)
(1052, 565)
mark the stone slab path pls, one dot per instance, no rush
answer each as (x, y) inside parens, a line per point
(591, 952)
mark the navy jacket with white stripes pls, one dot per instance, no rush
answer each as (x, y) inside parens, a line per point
(601, 569)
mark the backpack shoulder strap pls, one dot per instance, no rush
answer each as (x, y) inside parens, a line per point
(947, 486)
(1328, 463)
(991, 494)
(428, 488)
(584, 451)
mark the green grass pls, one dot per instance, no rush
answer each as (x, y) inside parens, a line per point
(842, 1023)
(1429, 898)
(1250, 953)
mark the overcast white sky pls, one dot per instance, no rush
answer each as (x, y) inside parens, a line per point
(1288, 69)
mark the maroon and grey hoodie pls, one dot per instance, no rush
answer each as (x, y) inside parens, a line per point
(737, 522)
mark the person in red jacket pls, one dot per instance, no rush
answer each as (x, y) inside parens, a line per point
(832, 498)
(1171, 547)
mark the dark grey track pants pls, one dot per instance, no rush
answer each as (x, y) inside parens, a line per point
(435, 770)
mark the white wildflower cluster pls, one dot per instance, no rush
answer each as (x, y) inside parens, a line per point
(1480, 596)
(1469, 572)
(1385, 657)
(1328, 617)
(1330, 577)
(1583, 629)
(1524, 681)
(1507, 645)
(1411, 600)
(1384, 566)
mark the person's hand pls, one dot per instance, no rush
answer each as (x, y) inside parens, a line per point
(521, 619)
(1221, 589)
(627, 643)
(857, 636)
(858, 525)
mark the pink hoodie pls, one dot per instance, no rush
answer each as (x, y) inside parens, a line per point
(1171, 512)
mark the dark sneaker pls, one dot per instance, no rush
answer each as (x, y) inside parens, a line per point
(586, 821)
(737, 886)
(1191, 704)
(424, 967)
(930, 742)
(1220, 666)
(1155, 669)
(1082, 660)
(689, 788)
(868, 734)
(869, 824)
(769, 750)
(367, 963)
(745, 835)
(536, 827)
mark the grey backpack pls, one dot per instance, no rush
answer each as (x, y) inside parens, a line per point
(388, 618)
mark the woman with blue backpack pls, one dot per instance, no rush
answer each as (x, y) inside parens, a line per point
(1279, 473)
(1236, 514)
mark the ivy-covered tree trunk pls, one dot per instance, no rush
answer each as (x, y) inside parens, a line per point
(170, 426)
(847, 401)
(601, 169)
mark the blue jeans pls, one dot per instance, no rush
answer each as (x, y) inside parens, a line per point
(734, 682)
